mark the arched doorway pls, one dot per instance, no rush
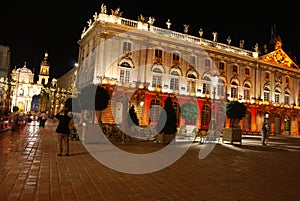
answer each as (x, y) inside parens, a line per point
(277, 123)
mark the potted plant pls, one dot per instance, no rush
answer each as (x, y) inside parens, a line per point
(167, 123)
(235, 111)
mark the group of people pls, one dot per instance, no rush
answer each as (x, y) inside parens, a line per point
(64, 128)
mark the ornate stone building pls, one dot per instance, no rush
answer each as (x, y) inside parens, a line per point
(32, 97)
(148, 63)
(23, 88)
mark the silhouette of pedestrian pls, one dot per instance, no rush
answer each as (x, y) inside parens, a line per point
(264, 134)
(63, 131)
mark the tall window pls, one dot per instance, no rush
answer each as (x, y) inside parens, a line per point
(207, 64)
(191, 83)
(175, 58)
(206, 85)
(287, 81)
(221, 67)
(246, 91)
(286, 98)
(234, 69)
(221, 88)
(174, 82)
(125, 72)
(126, 48)
(124, 75)
(158, 55)
(267, 94)
(157, 78)
(155, 108)
(277, 96)
(234, 90)
(192, 61)
(247, 72)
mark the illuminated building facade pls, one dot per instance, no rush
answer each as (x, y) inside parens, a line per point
(4, 84)
(40, 96)
(152, 63)
(23, 88)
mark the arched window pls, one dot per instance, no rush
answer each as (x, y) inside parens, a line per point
(206, 85)
(277, 95)
(266, 94)
(125, 68)
(191, 83)
(234, 90)
(221, 88)
(155, 109)
(157, 77)
(174, 81)
(286, 98)
(246, 91)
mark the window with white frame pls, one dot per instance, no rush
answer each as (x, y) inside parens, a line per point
(206, 85)
(126, 48)
(155, 109)
(277, 96)
(246, 91)
(221, 88)
(157, 77)
(174, 81)
(234, 90)
(124, 75)
(125, 72)
(266, 94)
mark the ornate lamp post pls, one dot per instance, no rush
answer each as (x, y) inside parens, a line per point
(213, 115)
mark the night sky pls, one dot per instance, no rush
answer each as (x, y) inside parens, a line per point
(30, 28)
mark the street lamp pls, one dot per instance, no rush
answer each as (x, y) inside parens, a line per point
(213, 116)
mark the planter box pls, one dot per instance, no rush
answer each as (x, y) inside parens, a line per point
(232, 135)
(165, 138)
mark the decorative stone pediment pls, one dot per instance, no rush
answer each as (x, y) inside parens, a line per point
(278, 56)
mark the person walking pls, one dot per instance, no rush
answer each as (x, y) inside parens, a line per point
(14, 119)
(42, 119)
(63, 131)
(264, 134)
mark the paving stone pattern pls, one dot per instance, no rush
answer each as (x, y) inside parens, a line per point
(30, 170)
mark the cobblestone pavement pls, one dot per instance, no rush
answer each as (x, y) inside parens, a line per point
(30, 170)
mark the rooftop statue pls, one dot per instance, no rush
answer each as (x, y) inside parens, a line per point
(103, 8)
(116, 12)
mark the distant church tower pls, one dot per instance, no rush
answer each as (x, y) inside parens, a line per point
(44, 71)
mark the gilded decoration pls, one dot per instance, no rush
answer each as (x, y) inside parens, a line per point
(279, 56)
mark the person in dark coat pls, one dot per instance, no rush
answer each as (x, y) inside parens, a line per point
(264, 134)
(63, 131)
